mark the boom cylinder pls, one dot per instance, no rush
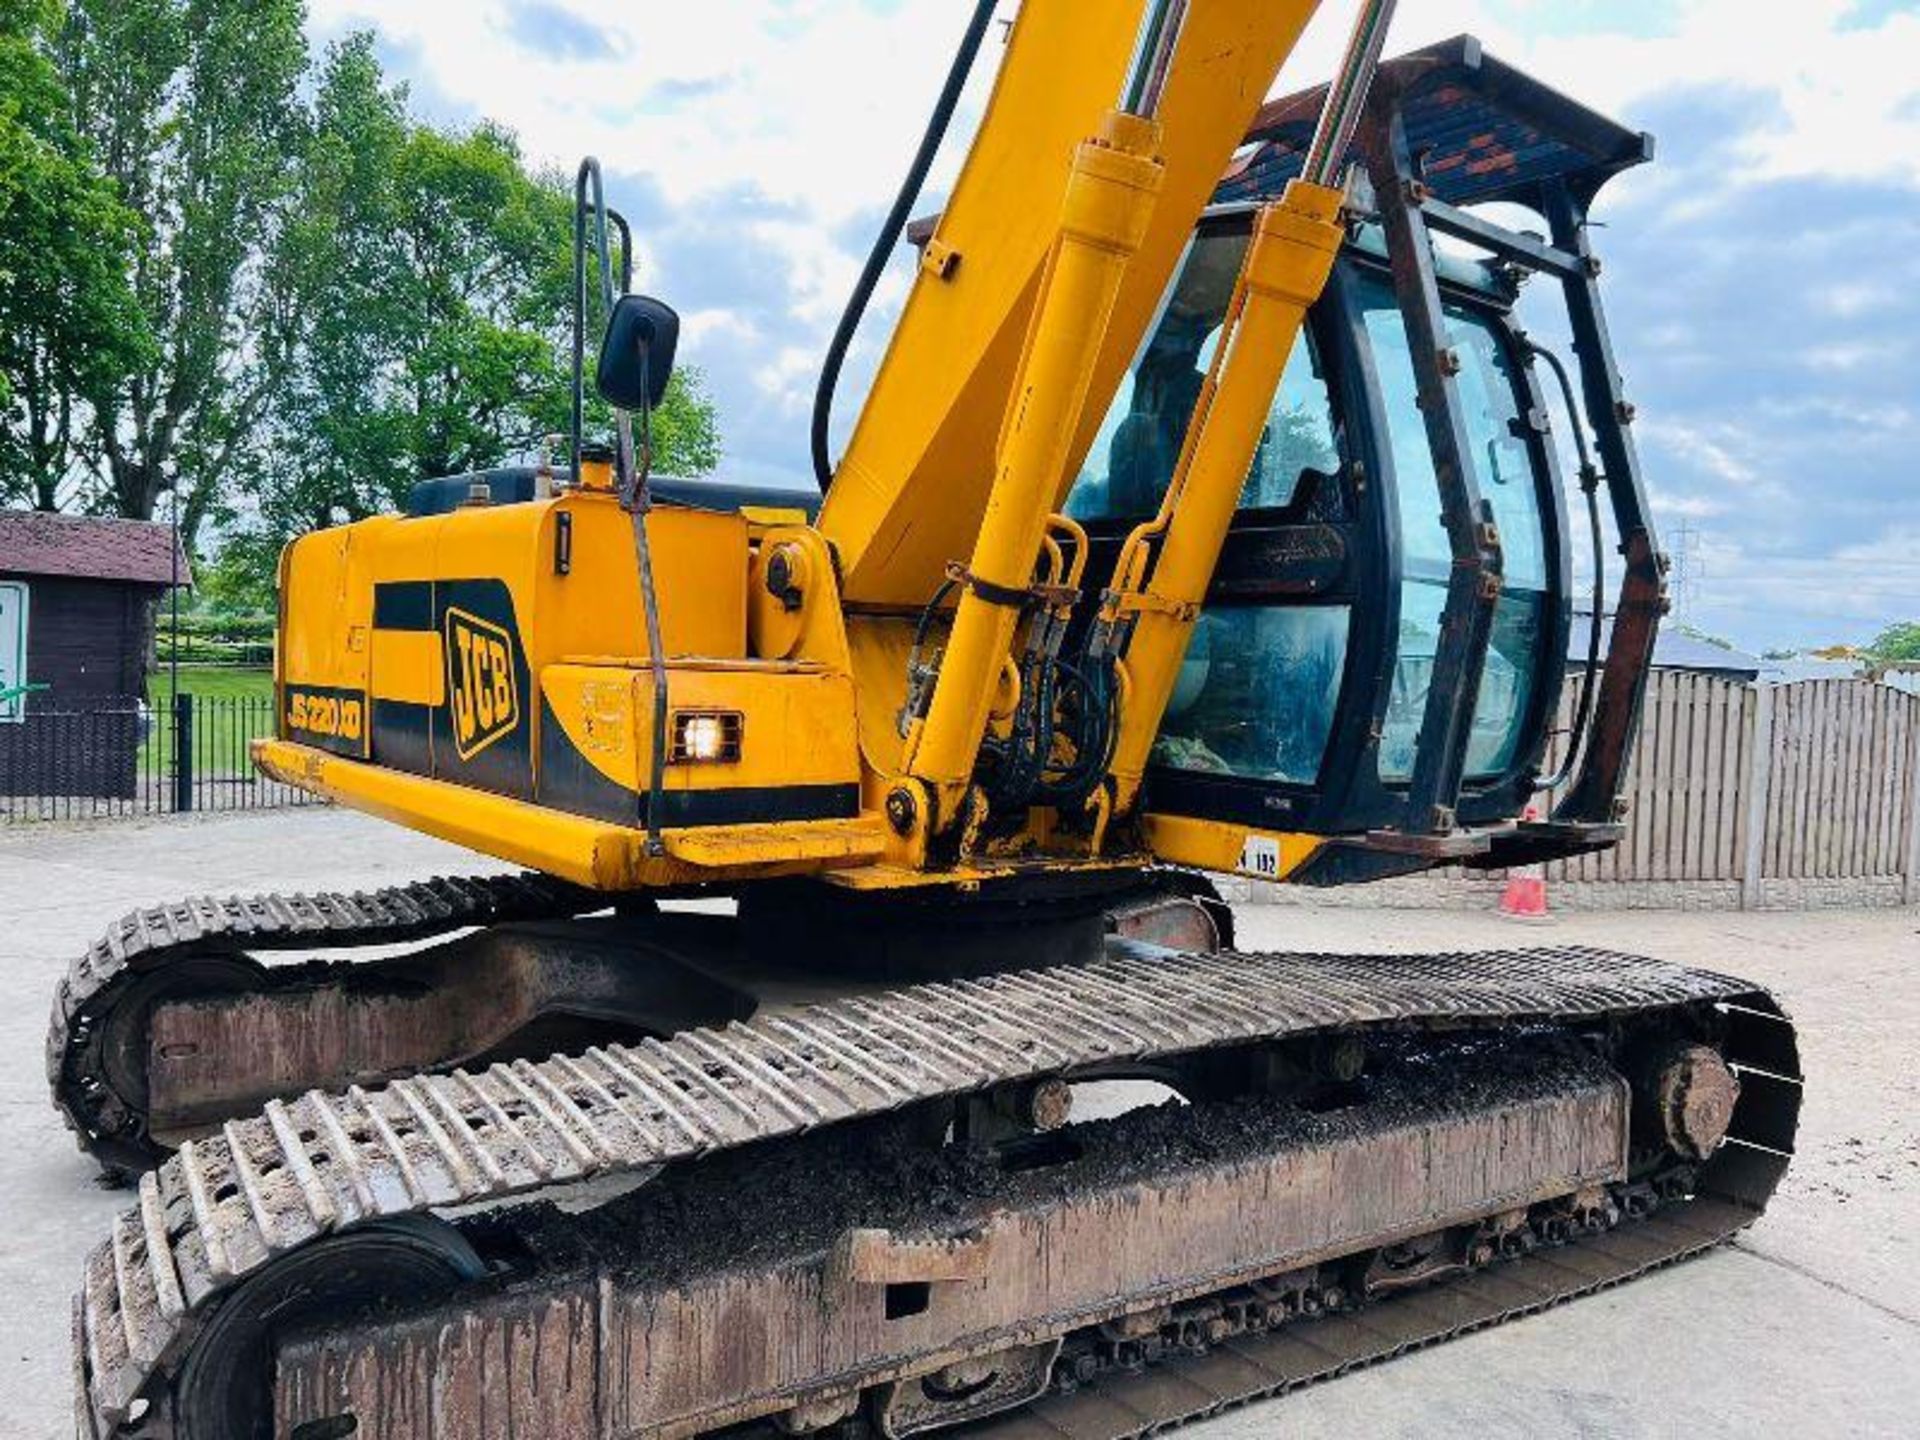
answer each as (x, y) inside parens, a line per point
(1347, 95)
(1291, 254)
(1109, 201)
(1155, 600)
(1153, 57)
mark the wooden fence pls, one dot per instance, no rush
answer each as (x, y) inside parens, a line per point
(1791, 793)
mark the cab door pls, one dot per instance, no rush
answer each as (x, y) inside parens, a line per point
(1517, 477)
(1251, 725)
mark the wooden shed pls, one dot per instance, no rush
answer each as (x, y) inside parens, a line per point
(77, 598)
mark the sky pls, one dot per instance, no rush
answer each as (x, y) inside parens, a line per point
(1762, 277)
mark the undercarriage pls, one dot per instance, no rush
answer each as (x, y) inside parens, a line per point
(872, 1210)
(175, 1021)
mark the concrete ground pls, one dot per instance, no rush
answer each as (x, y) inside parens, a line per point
(1808, 1325)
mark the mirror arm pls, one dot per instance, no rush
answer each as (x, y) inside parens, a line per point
(589, 196)
(643, 459)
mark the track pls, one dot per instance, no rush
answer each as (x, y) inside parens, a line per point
(1180, 1388)
(226, 1208)
(202, 941)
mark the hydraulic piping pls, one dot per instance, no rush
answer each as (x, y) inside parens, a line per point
(1590, 486)
(889, 235)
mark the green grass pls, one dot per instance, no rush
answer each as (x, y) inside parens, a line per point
(220, 732)
(224, 681)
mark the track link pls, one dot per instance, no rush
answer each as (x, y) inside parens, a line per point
(108, 1118)
(225, 1208)
(1178, 1386)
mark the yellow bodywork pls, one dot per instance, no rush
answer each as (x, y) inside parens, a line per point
(484, 675)
(595, 853)
(500, 696)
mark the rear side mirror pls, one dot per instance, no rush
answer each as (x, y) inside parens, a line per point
(636, 357)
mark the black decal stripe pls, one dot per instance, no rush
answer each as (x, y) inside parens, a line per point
(403, 605)
(568, 781)
(296, 698)
(403, 735)
(758, 804)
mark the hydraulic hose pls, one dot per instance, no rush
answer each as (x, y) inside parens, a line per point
(889, 235)
(1589, 483)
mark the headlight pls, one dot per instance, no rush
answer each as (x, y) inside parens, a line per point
(706, 736)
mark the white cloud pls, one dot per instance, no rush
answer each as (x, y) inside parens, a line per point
(1764, 600)
(821, 100)
(1892, 420)
(815, 102)
(1844, 356)
(701, 327)
(1850, 299)
(788, 377)
(770, 128)
(1900, 547)
(1720, 450)
(1689, 507)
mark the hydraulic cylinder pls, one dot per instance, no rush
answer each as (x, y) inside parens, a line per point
(1109, 200)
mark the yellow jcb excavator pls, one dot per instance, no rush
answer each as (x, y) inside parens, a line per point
(1204, 518)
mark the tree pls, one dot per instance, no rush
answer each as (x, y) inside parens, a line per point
(68, 324)
(191, 108)
(686, 427)
(269, 292)
(1897, 642)
(428, 276)
(434, 275)
(1694, 632)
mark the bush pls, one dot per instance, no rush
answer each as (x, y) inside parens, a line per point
(214, 639)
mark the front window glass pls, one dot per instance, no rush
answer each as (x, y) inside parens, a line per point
(1503, 467)
(1132, 458)
(1259, 685)
(1257, 692)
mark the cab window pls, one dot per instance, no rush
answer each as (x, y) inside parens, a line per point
(1503, 467)
(1257, 693)
(1259, 685)
(1132, 458)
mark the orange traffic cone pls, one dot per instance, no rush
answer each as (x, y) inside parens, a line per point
(1525, 897)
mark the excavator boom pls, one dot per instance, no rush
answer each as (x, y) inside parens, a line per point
(910, 491)
(1205, 512)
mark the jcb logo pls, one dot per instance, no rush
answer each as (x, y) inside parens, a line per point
(481, 694)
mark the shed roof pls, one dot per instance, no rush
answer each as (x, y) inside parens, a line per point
(86, 547)
(1673, 649)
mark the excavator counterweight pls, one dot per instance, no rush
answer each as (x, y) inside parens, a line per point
(1204, 518)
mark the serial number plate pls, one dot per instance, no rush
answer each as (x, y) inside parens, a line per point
(1261, 856)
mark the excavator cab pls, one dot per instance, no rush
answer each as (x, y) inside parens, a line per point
(1359, 671)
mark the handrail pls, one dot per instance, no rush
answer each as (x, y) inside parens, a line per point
(631, 486)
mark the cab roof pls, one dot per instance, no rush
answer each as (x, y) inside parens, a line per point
(1479, 129)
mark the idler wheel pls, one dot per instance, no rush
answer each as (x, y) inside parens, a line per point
(1693, 1095)
(116, 1051)
(225, 1391)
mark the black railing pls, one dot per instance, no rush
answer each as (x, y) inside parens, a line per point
(190, 753)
